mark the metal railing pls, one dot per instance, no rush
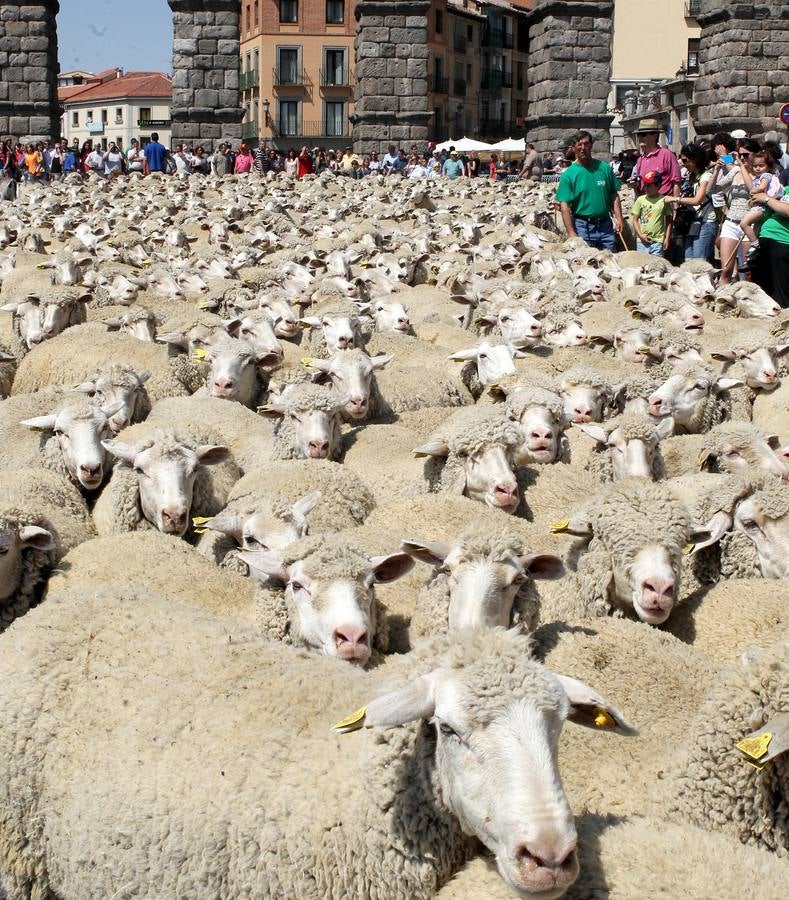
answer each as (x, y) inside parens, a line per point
(497, 37)
(459, 87)
(336, 77)
(328, 128)
(440, 85)
(495, 79)
(692, 8)
(153, 123)
(248, 80)
(495, 127)
(289, 76)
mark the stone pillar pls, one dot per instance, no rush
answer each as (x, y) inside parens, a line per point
(743, 57)
(28, 70)
(391, 101)
(569, 71)
(206, 59)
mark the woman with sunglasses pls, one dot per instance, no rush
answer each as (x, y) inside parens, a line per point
(736, 180)
(700, 225)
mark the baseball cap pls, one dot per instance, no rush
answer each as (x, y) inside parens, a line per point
(653, 178)
(739, 135)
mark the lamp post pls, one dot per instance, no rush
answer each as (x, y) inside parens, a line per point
(266, 117)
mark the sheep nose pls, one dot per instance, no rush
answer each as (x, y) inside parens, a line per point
(357, 404)
(769, 375)
(545, 857)
(319, 449)
(119, 421)
(345, 343)
(223, 386)
(350, 634)
(536, 329)
(506, 493)
(403, 323)
(90, 473)
(174, 520)
(581, 340)
(541, 439)
(655, 405)
(582, 413)
(658, 592)
(50, 331)
(36, 338)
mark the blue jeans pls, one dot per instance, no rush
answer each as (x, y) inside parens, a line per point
(655, 248)
(597, 234)
(701, 247)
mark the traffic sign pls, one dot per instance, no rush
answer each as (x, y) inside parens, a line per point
(785, 114)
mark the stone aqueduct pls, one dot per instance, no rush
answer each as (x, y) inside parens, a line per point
(743, 80)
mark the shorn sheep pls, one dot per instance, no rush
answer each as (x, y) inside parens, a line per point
(438, 760)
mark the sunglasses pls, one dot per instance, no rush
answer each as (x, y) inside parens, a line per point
(744, 155)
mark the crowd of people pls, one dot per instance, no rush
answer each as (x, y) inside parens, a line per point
(725, 200)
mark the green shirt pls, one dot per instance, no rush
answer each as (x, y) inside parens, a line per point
(590, 190)
(653, 214)
(776, 226)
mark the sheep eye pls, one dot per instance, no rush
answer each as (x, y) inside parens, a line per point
(59, 433)
(3, 551)
(447, 731)
(504, 318)
(483, 356)
(245, 331)
(749, 524)
(732, 453)
(254, 543)
(198, 342)
(296, 586)
(520, 578)
(138, 471)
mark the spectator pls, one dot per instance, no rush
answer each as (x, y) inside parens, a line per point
(114, 162)
(588, 194)
(375, 164)
(434, 165)
(420, 170)
(291, 163)
(771, 267)
(34, 163)
(473, 165)
(398, 166)
(56, 156)
(655, 159)
(183, 165)
(135, 158)
(219, 166)
(765, 181)
(304, 163)
(736, 179)
(390, 158)
(695, 221)
(154, 155)
(531, 164)
(70, 160)
(244, 160)
(453, 167)
(200, 162)
(651, 217)
(772, 139)
(356, 170)
(94, 162)
(230, 155)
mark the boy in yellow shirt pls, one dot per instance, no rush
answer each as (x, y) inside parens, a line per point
(651, 217)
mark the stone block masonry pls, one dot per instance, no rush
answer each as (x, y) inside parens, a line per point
(391, 100)
(206, 106)
(28, 70)
(744, 78)
(569, 71)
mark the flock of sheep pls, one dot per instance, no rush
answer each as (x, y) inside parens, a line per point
(324, 504)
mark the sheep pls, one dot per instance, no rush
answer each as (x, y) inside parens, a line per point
(234, 372)
(540, 417)
(309, 423)
(331, 326)
(691, 395)
(753, 357)
(161, 475)
(636, 530)
(485, 364)
(41, 318)
(351, 374)
(72, 358)
(471, 453)
(139, 322)
(69, 443)
(42, 517)
(669, 855)
(391, 316)
(563, 329)
(7, 372)
(587, 395)
(113, 384)
(481, 690)
(627, 446)
(709, 783)
(744, 298)
(481, 579)
(672, 308)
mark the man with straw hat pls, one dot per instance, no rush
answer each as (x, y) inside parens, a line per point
(655, 159)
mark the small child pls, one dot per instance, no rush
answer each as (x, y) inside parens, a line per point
(764, 181)
(651, 217)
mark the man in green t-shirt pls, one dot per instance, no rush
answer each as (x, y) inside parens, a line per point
(771, 269)
(587, 194)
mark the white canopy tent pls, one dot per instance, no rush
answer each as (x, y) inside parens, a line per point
(510, 145)
(465, 145)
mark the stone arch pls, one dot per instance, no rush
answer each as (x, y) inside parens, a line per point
(206, 60)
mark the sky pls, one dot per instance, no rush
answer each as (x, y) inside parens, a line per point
(99, 34)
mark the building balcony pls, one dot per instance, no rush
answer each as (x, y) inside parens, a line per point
(459, 43)
(497, 37)
(459, 87)
(250, 130)
(248, 80)
(692, 8)
(336, 78)
(499, 128)
(440, 85)
(288, 76)
(313, 129)
(153, 123)
(495, 80)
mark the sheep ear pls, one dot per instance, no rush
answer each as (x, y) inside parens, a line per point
(431, 448)
(231, 326)
(87, 387)
(111, 408)
(592, 710)
(305, 505)
(725, 384)
(417, 700)
(665, 427)
(486, 320)
(120, 450)
(773, 441)
(384, 569)
(143, 376)
(543, 565)
(464, 355)
(432, 552)
(176, 338)
(602, 340)
(704, 459)
(380, 361)
(211, 454)
(724, 356)
(38, 538)
(272, 411)
(712, 532)
(780, 349)
(40, 423)
(10, 307)
(229, 525)
(264, 566)
(310, 322)
(596, 432)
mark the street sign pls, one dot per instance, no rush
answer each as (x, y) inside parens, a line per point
(785, 114)
(670, 135)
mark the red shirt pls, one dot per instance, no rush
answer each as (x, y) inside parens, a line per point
(304, 167)
(662, 160)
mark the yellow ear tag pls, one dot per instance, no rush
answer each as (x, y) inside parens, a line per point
(204, 305)
(603, 719)
(306, 361)
(688, 549)
(199, 355)
(200, 520)
(756, 747)
(560, 526)
(644, 350)
(353, 722)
